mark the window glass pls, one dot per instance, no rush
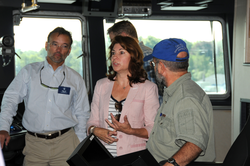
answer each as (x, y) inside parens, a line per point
(31, 35)
(203, 39)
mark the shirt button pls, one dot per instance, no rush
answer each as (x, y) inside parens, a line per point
(49, 100)
(120, 148)
(120, 136)
(153, 132)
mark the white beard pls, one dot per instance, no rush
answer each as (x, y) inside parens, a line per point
(159, 77)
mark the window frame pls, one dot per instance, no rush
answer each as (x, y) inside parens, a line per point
(226, 49)
(64, 15)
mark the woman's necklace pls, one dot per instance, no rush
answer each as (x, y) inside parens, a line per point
(125, 87)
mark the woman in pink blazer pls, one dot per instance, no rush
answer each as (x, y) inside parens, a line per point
(125, 103)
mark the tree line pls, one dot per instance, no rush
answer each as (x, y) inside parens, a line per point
(204, 57)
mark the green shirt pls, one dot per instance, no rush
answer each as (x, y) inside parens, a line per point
(186, 115)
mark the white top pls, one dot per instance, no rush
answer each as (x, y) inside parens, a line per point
(47, 109)
(112, 147)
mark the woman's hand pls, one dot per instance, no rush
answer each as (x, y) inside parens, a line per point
(123, 127)
(105, 135)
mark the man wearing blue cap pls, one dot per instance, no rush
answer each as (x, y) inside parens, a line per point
(183, 129)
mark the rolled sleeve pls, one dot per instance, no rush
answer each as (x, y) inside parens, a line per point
(191, 124)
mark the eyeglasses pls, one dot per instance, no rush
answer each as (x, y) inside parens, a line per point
(118, 107)
(55, 45)
(47, 85)
(152, 63)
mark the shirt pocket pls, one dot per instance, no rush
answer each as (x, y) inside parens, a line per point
(64, 101)
(166, 131)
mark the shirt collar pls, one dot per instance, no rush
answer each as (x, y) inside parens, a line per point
(169, 91)
(47, 65)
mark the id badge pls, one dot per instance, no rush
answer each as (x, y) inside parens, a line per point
(64, 90)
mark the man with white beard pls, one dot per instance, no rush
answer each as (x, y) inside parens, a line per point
(183, 129)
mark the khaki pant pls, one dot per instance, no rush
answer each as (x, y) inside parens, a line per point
(50, 152)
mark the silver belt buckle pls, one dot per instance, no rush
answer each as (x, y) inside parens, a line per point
(47, 136)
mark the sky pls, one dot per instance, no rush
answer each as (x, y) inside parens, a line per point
(189, 30)
(35, 32)
(32, 33)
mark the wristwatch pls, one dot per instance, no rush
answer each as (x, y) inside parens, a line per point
(172, 161)
(92, 129)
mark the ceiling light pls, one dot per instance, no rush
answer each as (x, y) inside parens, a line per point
(186, 8)
(34, 6)
(57, 1)
(184, 5)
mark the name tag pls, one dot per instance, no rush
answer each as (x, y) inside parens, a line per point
(64, 90)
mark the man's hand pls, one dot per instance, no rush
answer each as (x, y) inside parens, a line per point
(4, 136)
(187, 153)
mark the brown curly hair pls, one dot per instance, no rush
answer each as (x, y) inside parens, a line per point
(135, 68)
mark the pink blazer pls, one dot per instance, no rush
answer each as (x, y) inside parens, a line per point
(141, 106)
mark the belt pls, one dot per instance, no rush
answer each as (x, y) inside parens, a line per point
(49, 136)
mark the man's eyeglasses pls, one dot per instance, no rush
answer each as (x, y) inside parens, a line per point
(152, 63)
(55, 45)
(50, 86)
(118, 107)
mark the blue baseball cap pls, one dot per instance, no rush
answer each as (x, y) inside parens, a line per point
(168, 50)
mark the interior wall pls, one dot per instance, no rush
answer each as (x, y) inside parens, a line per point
(240, 71)
(222, 133)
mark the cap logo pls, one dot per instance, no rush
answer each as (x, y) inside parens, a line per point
(168, 50)
(179, 47)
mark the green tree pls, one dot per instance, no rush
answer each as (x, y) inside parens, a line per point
(201, 64)
(150, 41)
(72, 60)
(28, 57)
